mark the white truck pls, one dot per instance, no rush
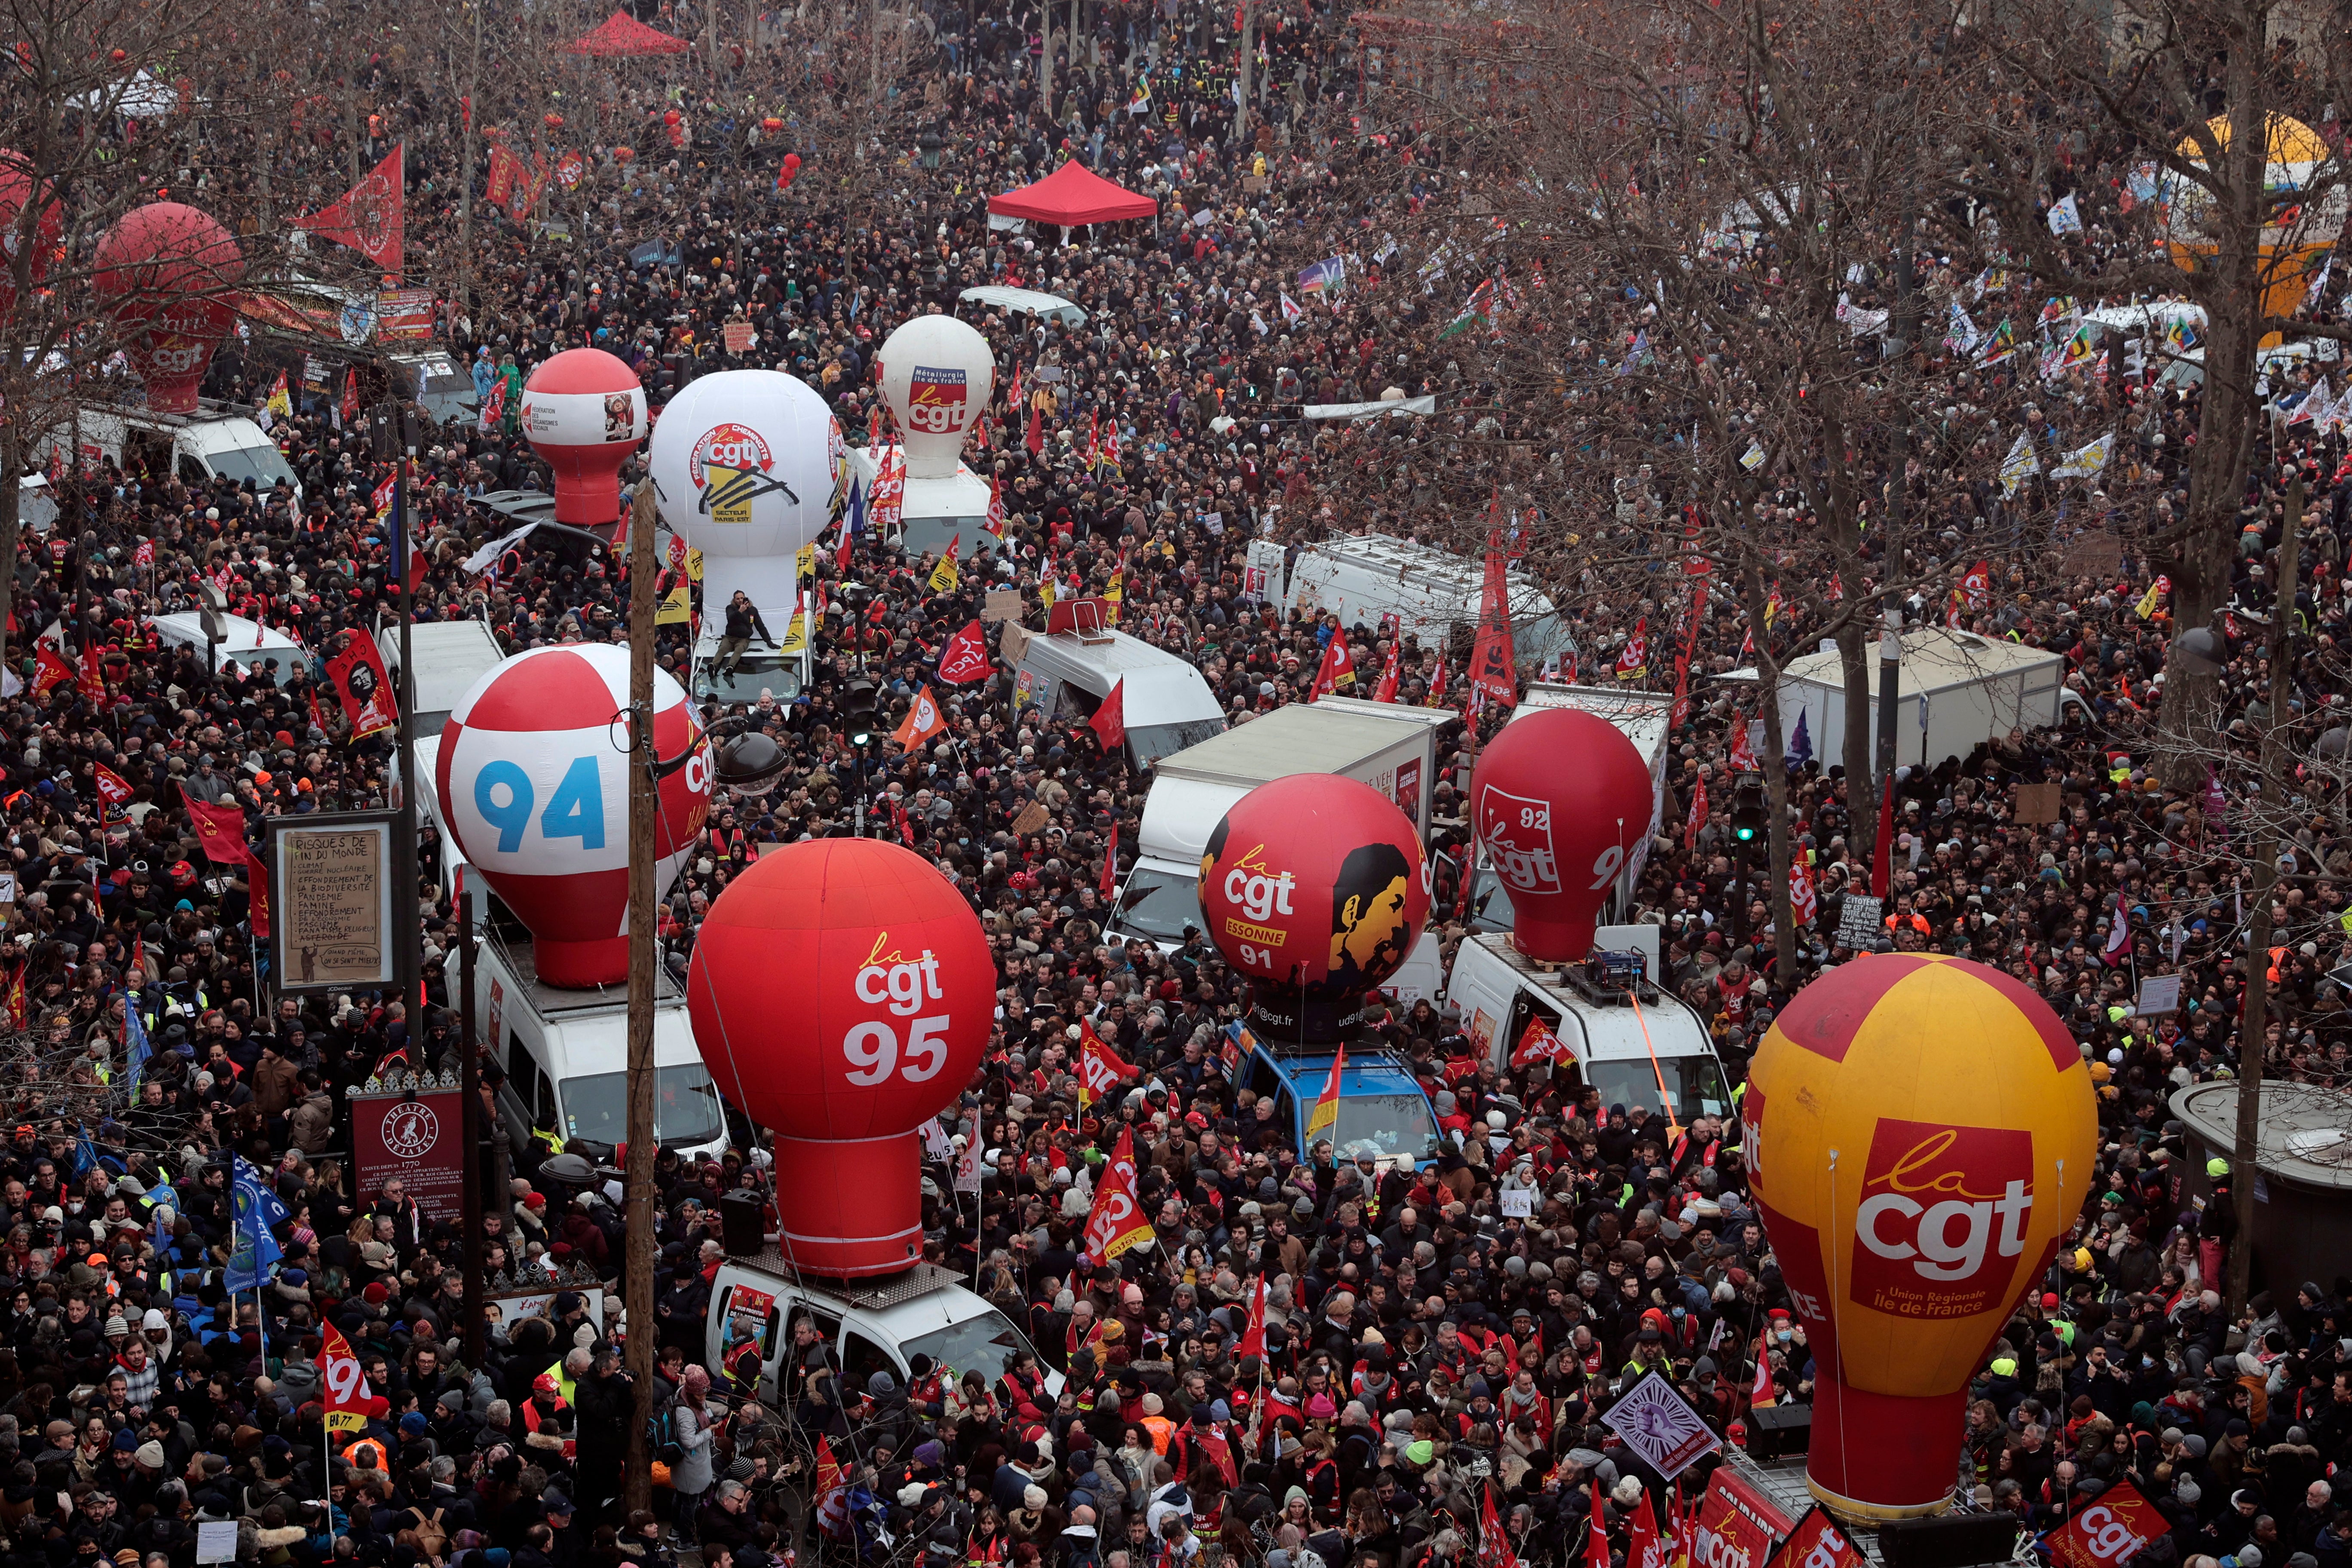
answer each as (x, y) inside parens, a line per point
(1389, 747)
(952, 507)
(1637, 1043)
(760, 1303)
(219, 441)
(1640, 717)
(565, 1052)
(1166, 701)
(1431, 594)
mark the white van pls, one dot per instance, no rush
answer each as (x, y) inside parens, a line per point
(935, 512)
(1433, 595)
(566, 1053)
(873, 1325)
(451, 657)
(1652, 1050)
(1167, 702)
(246, 644)
(216, 442)
(1021, 302)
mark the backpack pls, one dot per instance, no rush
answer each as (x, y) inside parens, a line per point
(661, 1437)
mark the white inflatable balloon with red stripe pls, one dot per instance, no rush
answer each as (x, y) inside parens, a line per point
(536, 797)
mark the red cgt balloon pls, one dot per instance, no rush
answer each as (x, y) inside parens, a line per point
(842, 992)
(168, 275)
(1316, 887)
(1559, 800)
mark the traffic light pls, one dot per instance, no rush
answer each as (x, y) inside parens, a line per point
(1747, 813)
(857, 711)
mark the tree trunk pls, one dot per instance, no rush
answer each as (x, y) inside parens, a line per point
(1857, 650)
(12, 457)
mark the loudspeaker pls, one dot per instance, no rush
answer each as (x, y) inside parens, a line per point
(742, 1222)
(1949, 1540)
(1779, 1431)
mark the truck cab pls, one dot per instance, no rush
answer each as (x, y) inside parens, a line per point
(1633, 1040)
(873, 1325)
(565, 1052)
(1381, 1106)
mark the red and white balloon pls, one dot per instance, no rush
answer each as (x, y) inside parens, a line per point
(585, 412)
(1561, 800)
(537, 796)
(168, 275)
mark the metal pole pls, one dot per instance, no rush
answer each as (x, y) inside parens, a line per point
(2243, 1170)
(408, 960)
(470, 1131)
(638, 1283)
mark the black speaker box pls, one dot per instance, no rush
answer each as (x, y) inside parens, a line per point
(1779, 1431)
(1949, 1540)
(742, 1224)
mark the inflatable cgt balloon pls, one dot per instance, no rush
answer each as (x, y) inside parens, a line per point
(842, 992)
(168, 275)
(1315, 886)
(1561, 800)
(1919, 1133)
(585, 412)
(537, 798)
(937, 375)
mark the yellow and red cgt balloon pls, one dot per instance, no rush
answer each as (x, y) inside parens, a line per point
(1921, 1133)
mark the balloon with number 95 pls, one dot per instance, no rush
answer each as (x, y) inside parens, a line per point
(842, 992)
(536, 794)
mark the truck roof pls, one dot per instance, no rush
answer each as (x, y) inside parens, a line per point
(1640, 715)
(1161, 689)
(451, 657)
(1298, 738)
(1363, 1075)
(557, 1002)
(1665, 1025)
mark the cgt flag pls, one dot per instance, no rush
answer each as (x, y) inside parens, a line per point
(2107, 1533)
(347, 1391)
(1117, 1221)
(1494, 675)
(964, 659)
(1817, 1541)
(1100, 1071)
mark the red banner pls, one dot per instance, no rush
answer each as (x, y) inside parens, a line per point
(112, 787)
(1739, 1527)
(1116, 1222)
(1818, 1542)
(2107, 1533)
(366, 690)
(368, 218)
(965, 658)
(415, 1141)
(1493, 676)
(348, 1396)
(221, 830)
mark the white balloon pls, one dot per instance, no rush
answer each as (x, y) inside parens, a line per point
(747, 463)
(937, 375)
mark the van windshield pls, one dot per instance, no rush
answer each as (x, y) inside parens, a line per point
(1152, 742)
(760, 670)
(1159, 905)
(924, 536)
(1694, 1082)
(1384, 1124)
(265, 466)
(984, 1344)
(686, 1106)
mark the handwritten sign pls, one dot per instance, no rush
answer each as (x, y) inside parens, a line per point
(333, 902)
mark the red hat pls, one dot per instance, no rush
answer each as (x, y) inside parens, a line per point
(534, 1201)
(545, 1383)
(375, 1294)
(1778, 1312)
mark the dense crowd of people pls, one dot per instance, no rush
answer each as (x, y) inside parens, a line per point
(1423, 1348)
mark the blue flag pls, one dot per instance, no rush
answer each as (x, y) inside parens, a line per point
(159, 1197)
(85, 1155)
(1801, 745)
(254, 1251)
(255, 1197)
(856, 508)
(134, 1040)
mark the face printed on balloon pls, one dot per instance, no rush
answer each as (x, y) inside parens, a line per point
(1369, 932)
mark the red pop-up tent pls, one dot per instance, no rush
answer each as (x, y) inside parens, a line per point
(1070, 195)
(621, 34)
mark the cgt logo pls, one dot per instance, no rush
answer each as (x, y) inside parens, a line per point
(903, 982)
(1259, 893)
(1516, 832)
(1941, 1224)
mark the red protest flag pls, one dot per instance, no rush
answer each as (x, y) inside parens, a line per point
(1387, 689)
(91, 676)
(1336, 670)
(1116, 1222)
(368, 218)
(360, 680)
(1760, 1393)
(112, 787)
(1100, 1069)
(1698, 814)
(1596, 1545)
(1035, 441)
(964, 659)
(1818, 1542)
(257, 887)
(922, 721)
(1254, 1336)
(1494, 675)
(1646, 1547)
(347, 1393)
(1109, 723)
(1494, 1549)
(2108, 1533)
(1110, 863)
(1539, 1043)
(221, 830)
